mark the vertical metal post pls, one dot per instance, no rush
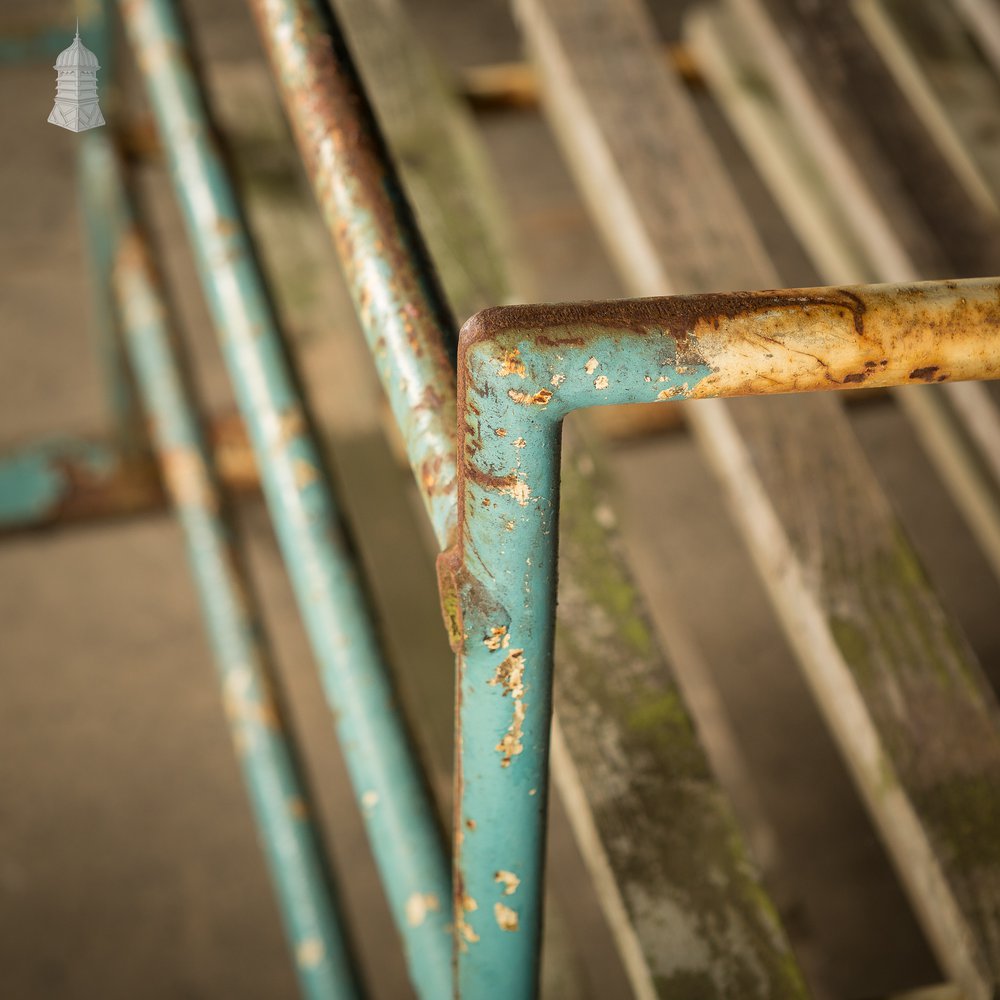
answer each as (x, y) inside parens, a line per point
(278, 790)
(380, 759)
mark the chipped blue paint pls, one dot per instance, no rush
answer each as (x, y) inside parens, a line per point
(277, 787)
(382, 764)
(521, 370)
(517, 397)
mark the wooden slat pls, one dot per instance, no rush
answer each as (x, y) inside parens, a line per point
(661, 793)
(442, 164)
(964, 451)
(900, 688)
(948, 84)
(640, 790)
(983, 20)
(840, 168)
(866, 136)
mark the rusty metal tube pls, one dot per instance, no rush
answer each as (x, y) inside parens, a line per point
(403, 313)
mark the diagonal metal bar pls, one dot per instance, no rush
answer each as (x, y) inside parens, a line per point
(278, 789)
(404, 316)
(380, 760)
(522, 369)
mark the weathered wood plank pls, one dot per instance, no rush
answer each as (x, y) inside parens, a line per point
(842, 98)
(948, 84)
(983, 20)
(654, 819)
(886, 666)
(846, 157)
(834, 86)
(442, 164)
(812, 197)
(661, 804)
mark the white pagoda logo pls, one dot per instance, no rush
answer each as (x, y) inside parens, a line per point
(76, 106)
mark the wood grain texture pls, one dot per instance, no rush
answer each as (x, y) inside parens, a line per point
(898, 686)
(983, 20)
(957, 425)
(948, 84)
(683, 899)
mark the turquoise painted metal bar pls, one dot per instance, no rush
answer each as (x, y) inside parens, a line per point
(399, 303)
(381, 761)
(521, 370)
(277, 787)
(63, 479)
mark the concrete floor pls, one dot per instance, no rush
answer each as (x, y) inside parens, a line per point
(128, 865)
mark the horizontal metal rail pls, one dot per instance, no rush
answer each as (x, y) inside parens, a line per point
(276, 784)
(381, 762)
(522, 369)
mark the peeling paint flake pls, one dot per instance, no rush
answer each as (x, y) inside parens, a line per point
(511, 364)
(591, 366)
(673, 392)
(305, 473)
(601, 382)
(511, 746)
(309, 953)
(497, 639)
(506, 917)
(539, 398)
(510, 676)
(419, 905)
(508, 880)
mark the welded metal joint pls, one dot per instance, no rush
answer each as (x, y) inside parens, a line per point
(521, 370)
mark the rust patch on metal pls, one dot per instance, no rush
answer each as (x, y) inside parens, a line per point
(539, 398)
(677, 315)
(511, 364)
